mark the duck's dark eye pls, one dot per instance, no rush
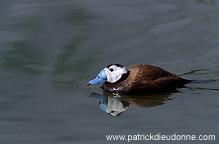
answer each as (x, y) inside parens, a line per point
(111, 69)
(100, 103)
(98, 77)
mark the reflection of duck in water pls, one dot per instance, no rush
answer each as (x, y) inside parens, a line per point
(117, 105)
(111, 105)
(137, 79)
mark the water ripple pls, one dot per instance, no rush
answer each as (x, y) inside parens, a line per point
(75, 81)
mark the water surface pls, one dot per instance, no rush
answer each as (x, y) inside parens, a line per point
(51, 49)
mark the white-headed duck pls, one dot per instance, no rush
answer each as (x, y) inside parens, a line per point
(137, 79)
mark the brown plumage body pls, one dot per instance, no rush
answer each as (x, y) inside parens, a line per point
(145, 79)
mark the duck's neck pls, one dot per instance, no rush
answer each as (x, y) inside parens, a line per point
(123, 77)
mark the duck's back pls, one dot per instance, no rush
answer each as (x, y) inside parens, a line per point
(145, 78)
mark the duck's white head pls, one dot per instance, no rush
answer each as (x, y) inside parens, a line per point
(112, 73)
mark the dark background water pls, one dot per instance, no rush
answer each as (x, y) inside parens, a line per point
(51, 49)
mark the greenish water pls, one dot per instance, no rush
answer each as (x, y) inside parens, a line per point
(51, 49)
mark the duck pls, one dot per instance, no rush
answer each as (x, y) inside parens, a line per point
(137, 79)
